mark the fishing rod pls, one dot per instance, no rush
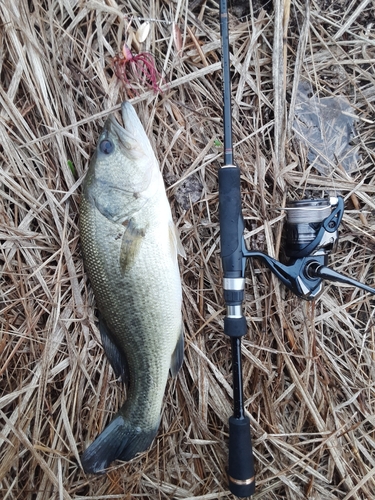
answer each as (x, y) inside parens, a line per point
(311, 235)
(241, 462)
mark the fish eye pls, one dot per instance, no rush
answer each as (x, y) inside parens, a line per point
(106, 146)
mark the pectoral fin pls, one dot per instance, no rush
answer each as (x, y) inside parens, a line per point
(130, 244)
(177, 356)
(113, 353)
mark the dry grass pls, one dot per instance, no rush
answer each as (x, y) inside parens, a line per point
(309, 368)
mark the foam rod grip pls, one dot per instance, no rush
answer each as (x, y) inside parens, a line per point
(241, 461)
(231, 222)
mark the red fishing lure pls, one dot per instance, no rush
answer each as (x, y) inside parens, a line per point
(136, 70)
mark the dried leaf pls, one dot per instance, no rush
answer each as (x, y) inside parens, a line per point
(177, 38)
(189, 192)
(143, 32)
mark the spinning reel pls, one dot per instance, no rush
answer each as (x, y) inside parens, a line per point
(311, 235)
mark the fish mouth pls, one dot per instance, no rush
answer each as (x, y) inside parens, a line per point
(130, 132)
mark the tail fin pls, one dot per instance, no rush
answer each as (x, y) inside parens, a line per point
(119, 440)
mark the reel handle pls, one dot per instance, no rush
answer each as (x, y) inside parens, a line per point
(329, 274)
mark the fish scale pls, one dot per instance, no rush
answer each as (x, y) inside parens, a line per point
(130, 248)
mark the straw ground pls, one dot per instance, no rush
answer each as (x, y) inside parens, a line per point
(309, 368)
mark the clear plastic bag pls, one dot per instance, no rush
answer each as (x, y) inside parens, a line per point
(327, 126)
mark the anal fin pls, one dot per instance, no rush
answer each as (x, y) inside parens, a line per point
(177, 356)
(115, 356)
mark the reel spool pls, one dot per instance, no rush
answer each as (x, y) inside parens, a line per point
(312, 226)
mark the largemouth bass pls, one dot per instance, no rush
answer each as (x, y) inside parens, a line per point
(130, 246)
